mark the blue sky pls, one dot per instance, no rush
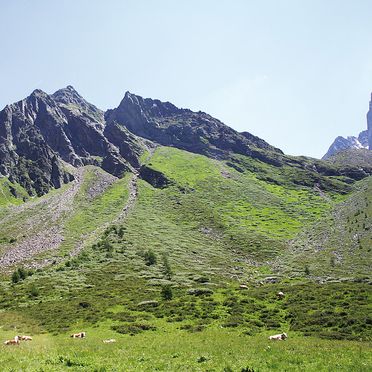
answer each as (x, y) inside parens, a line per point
(296, 73)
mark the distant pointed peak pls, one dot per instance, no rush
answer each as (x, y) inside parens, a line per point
(69, 90)
(38, 92)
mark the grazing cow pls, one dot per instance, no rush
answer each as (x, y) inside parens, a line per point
(280, 294)
(15, 341)
(280, 337)
(26, 338)
(111, 340)
(243, 286)
(78, 335)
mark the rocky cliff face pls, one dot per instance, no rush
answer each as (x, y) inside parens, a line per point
(369, 123)
(172, 126)
(42, 131)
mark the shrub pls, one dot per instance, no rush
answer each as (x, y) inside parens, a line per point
(15, 277)
(166, 292)
(167, 267)
(22, 273)
(150, 258)
(34, 291)
(132, 329)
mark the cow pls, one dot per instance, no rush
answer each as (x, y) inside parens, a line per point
(243, 286)
(280, 337)
(78, 335)
(26, 338)
(111, 340)
(280, 295)
(14, 341)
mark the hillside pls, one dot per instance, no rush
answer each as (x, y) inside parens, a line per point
(182, 229)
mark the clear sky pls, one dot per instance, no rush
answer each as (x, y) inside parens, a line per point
(297, 73)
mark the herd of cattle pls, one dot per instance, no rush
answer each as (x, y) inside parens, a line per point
(16, 340)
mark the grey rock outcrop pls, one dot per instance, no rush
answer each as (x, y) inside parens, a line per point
(369, 124)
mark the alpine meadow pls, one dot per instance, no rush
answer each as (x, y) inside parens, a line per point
(162, 239)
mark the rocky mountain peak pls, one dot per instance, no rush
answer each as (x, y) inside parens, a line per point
(369, 124)
(363, 141)
(350, 142)
(148, 106)
(169, 125)
(68, 95)
(68, 98)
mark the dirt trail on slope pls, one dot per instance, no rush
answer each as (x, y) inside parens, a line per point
(123, 214)
(132, 198)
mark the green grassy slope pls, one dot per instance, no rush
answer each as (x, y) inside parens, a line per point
(11, 193)
(217, 225)
(253, 216)
(339, 245)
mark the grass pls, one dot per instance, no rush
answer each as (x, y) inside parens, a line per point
(175, 350)
(256, 216)
(340, 244)
(11, 193)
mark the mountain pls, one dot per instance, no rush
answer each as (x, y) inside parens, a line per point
(351, 142)
(43, 134)
(168, 125)
(159, 227)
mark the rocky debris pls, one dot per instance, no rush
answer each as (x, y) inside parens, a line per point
(47, 240)
(148, 303)
(49, 236)
(102, 182)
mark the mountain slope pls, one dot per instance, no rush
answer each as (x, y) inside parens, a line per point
(338, 245)
(211, 228)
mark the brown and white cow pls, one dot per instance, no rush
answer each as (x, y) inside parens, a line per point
(280, 337)
(78, 335)
(25, 338)
(14, 341)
